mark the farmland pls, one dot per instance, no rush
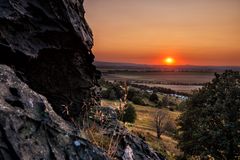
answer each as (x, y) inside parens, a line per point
(178, 81)
(162, 77)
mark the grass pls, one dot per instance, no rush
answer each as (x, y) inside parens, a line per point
(145, 127)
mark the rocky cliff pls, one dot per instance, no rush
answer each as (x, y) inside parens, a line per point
(30, 129)
(47, 76)
(49, 44)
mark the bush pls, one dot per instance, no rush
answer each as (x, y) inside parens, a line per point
(165, 101)
(210, 124)
(131, 93)
(138, 100)
(154, 98)
(181, 106)
(159, 104)
(129, 114)
(113, 92)
(112, 95)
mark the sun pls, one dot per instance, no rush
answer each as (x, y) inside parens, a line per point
(169, 61)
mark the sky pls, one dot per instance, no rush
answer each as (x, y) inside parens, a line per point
(193, 32)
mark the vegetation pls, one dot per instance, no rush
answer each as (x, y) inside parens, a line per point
(154, 97)
(159, 120)
(159, 89)
(210, 126)
(113, 91)
(129, 114)
(145, 127)
(138, 100)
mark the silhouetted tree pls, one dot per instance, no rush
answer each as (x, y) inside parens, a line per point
(211, 123)
(154, 98)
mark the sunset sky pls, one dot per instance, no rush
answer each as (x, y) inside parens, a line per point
(196, 32)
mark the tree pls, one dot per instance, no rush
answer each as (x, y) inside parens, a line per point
(154, 98)
(112, 94)
(160, 121)
(138, 100)
(211, 123)
(113, 91)
(131, 93)
(165, 101)
(129, 114)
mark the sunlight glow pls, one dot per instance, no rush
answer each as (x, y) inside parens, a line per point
(169, 61)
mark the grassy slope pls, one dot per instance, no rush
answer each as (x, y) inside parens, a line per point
(144, 126)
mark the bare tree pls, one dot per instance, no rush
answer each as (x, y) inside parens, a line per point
(160, 120)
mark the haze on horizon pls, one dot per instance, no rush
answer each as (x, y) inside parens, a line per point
(147, 31)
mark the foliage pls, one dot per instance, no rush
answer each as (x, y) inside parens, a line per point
(129, 114)
(131, 93)
(210, 125)
(113, 91)
(181, 106)
(154, 97)
(138, 100)
(165, 101)
(159, 104)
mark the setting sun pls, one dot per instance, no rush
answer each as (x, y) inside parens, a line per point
(169, 61)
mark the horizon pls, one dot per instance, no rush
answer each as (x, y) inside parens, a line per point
(201, 33)
(116, 62)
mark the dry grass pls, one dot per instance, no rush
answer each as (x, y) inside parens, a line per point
(145, 127)
(108, 143)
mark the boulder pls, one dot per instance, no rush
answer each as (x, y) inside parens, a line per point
(30, 129)
(48, 43)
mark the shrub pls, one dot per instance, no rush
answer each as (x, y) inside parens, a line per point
(154, 98)
(138, 100)
(210, 124)
(165, 101)
(113, 91)
(112, 95)
(129, 114)
(159, 104)
(181, 106)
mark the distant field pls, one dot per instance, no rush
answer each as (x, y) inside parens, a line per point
(162, 77)
(178, 88)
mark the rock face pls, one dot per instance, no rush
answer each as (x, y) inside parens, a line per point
(30, 129)
(48, 43)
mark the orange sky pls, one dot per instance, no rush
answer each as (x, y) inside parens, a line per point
(197, 32)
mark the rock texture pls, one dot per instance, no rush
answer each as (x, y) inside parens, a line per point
(30, 129)
(49, 44)
(130, 147)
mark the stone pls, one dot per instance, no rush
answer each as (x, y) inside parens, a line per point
(48, 44)
(34, 130)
